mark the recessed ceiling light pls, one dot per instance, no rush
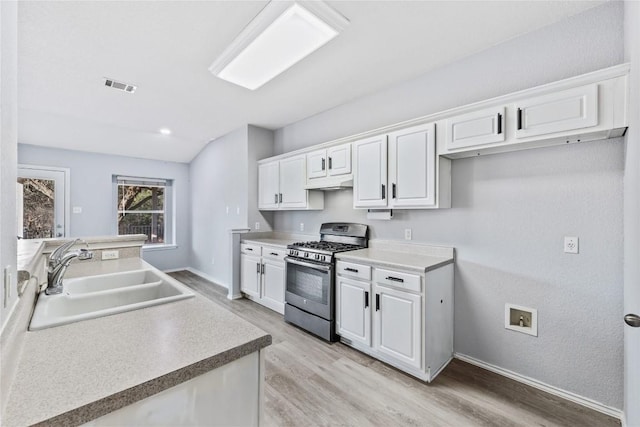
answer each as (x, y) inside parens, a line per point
(282, 34)
(165, 131)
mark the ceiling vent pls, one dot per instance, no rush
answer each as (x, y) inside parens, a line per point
(119, 85)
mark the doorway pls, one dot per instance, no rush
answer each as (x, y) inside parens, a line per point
(43, 202)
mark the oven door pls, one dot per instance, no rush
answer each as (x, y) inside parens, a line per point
(310, 287)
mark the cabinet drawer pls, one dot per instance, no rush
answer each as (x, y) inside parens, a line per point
(396, 279)
(250, 248)
(349, 269)
(274, 253)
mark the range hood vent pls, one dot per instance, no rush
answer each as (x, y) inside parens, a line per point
(332, 185)
(119, 85)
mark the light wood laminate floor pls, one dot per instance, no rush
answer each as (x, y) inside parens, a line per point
(310, 382)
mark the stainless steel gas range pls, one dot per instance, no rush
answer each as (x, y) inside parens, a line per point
(310, 292)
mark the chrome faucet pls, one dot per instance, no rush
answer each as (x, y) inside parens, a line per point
(59, 260)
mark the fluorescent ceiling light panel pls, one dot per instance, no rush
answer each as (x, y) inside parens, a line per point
(282, 34)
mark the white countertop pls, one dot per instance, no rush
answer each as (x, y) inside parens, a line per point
(73, 373)
(399, 255)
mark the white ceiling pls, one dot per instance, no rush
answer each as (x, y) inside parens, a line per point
(66, 48)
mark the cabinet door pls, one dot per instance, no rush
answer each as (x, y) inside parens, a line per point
(250, 268)
(317, 164)
(273, 285)
(353, 315)
(292, 182)
(412, 166)
(268, 184)
(398, 326)
(339, 160)
(477, 128)
(370, 173)
(558, 112)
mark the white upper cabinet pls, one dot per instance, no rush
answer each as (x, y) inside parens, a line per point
(281, 185)
(583, 108)
(292, 179)
(339, 160)
(412, 167)
(370, 172)
(316, 164)
(329, 167)
(571, 109)
(401, 171)
(268, 185)
(478, 128)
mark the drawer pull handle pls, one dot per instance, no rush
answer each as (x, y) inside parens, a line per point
(353, 270)
(249, 249)
(274, 253)
(377, 302)
(366, 299)
(394, 279)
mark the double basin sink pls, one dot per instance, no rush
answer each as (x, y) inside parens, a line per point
(97, 296)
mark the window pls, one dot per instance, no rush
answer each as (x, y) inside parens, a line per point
(144, 207)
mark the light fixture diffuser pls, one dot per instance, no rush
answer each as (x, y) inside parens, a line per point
(281, 35)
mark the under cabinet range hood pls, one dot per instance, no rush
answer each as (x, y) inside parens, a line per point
(331, 185)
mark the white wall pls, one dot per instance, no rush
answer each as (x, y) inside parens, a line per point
(8, 150)
(632, 218)
(92, 189)
(510, 211)
(224, 196)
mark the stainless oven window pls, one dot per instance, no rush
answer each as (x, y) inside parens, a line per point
(308, 283)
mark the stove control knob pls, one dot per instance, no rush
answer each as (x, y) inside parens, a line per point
(306, 254)
(317, 256)
(324, 258)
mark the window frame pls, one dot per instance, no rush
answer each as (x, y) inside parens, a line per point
(169, 212)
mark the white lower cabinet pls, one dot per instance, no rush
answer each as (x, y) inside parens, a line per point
(262, 275)
(354, 310)
(398, 326)
(402, 318)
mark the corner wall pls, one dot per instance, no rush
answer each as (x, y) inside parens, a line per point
(224, 184)
(510, 211)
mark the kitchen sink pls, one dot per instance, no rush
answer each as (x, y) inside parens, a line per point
(105, 282)
(97, 296)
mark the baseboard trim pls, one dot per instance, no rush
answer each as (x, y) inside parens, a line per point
(575, 398)
(206, 276)
(173, 270)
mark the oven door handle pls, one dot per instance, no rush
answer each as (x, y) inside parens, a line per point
(323, 268)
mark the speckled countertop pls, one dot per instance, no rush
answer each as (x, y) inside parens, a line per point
(277, 238)
(70, 374)
(417, 258)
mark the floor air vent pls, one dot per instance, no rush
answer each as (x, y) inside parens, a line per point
(119, 85)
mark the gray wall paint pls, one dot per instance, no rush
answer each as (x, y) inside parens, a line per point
(632, 217)
(260, 146)
(224, 175)
(510, 211)
(92, 189)
(8, 149)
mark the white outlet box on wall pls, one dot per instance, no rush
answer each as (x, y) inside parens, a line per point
(521, 319)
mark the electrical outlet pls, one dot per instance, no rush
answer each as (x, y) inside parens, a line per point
(77, 209)
(110, 255)
(258, 225)
(213, 260)
(407, 234)
(571, 245)
(302, 226)
(227, 210)
(237, 210)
